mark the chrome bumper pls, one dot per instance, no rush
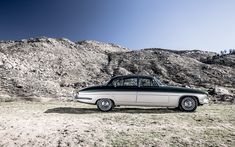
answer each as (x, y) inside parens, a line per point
(203, 99)
(87, 100)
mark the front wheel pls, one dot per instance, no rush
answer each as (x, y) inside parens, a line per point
(105, 105)
(188, 104)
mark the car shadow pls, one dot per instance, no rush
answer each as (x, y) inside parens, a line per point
(71, 110)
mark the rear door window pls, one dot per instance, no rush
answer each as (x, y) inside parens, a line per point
(146, 82)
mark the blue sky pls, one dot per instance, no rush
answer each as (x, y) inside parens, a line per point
(136, 24)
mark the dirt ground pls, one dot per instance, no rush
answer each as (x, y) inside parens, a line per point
(75, 124)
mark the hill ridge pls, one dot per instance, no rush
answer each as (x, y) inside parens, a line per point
(49, 67)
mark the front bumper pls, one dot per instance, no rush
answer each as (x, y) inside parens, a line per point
(203, 99)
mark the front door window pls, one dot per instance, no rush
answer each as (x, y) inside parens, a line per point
(146, 82)
(130, 82)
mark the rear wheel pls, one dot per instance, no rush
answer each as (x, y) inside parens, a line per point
(105, 105)
(188, 104)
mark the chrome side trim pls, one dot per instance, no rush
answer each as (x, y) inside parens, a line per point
(83, 98)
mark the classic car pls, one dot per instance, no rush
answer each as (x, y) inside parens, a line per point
(139, 90)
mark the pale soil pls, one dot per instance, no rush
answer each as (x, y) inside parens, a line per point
(75, 124)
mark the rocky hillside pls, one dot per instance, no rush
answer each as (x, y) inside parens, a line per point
(47, 67)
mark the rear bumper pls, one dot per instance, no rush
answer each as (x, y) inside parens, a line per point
(87, 100)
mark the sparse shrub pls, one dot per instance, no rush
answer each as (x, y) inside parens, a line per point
(232, 51)
(222, 53)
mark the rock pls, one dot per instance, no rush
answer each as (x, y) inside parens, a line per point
(1, 63)
(221, 91)
(218, 91)
(227, 98)
(221, 94)
(6, 98)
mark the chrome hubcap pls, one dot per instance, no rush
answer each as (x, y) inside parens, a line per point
(188, 103)
(105, 104)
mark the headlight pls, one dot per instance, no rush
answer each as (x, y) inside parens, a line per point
(76, 95)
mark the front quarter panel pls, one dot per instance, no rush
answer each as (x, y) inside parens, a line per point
(174, 98)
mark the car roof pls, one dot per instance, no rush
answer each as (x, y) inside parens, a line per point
(130, 76)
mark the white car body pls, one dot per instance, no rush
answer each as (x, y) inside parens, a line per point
(139, 93)
(139, 98)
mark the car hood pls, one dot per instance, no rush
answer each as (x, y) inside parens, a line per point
(181, 89)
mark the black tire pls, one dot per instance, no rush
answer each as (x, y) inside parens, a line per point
(188, 104)
(105, 105)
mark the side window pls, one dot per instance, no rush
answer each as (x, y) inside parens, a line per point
(146, 82)
(116, 82)
(124, 82)
(130, 82)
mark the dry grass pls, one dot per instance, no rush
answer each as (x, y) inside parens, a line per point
(75, 124)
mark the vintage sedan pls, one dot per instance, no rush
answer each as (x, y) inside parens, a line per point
(136, 90)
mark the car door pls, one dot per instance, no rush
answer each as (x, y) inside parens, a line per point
(149, 93)
(125, 90)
